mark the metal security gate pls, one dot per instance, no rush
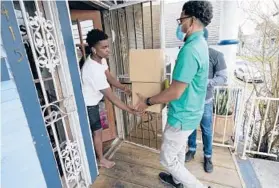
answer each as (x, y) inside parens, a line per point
(39, 26)
(138, 27)
(135, 26)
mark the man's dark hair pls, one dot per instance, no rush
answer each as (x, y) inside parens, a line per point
(94, 36)
(200, 9)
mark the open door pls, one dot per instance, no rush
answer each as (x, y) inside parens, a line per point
(82, 22)
(45, 72)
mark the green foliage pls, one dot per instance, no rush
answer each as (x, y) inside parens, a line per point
(222, 105)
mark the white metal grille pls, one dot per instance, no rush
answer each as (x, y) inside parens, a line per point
(226, 115)
(57, 102)
(262, 128)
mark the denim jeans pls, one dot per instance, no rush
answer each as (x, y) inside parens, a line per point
(206, 128)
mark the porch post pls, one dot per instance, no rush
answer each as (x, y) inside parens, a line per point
(229, 30)
(66, 29)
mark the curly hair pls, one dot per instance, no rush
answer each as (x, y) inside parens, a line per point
(200, 9)
(94, 36)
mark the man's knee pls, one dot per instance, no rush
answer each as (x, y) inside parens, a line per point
(166, 163)
(97, 133)
(207, 131)
(168, 160)
(206, 126)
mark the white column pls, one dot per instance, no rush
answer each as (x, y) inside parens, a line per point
(229, 23)
(163, 46)
(162, 25)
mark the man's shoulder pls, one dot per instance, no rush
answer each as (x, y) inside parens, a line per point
(192, 48)
(91, 69)
(214, 52)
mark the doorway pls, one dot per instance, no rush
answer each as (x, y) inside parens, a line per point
(85, 18)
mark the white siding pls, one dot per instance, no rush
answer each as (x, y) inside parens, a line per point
(171, 13)
(20, 165)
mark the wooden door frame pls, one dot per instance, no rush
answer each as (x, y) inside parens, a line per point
(81, 15)
(88, 15)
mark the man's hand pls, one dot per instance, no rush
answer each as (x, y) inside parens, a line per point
(141, 105)
(135, 112)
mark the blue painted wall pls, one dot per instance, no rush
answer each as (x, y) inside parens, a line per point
(20, 165)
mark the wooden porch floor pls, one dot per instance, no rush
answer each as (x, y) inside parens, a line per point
(137, 167)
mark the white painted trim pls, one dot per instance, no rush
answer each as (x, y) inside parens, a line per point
(34, 52)
(142, 146)
(68, 86)
(128, 3)
(238, 170)
(99, 3)
(248, 137)
(162, 25)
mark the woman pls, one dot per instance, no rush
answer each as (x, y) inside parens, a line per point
(95, 85)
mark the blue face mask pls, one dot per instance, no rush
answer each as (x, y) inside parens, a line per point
(179, 34)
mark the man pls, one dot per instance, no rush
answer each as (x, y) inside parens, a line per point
(217, 75)
(95, 85)
(186, 94)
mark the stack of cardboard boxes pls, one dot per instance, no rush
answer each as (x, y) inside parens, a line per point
(147, 74)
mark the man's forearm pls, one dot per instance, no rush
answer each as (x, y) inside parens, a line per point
(174, 92)
(117, 84)
(116, 101)
(163, 97)
(220, 78)
(114, 82)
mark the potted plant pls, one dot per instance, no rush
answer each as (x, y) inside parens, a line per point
(223, 115)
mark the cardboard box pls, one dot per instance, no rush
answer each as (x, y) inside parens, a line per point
(146, 65)
(147, 90)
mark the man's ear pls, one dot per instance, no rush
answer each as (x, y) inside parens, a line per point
(93, 50)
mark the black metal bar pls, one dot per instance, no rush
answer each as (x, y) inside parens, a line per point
(127, 31)
(120, 43)
(115, 56)
(81, 39)
(135, 28)
(142, 133)
(135, 124)
(151, 25)
(143, 42)
(148, 129)
(156, 134)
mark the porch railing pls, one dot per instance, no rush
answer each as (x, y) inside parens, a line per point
(262, 129)
(226, 118)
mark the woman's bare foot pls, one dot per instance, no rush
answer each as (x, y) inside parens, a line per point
(106, 163)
